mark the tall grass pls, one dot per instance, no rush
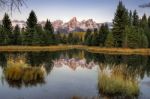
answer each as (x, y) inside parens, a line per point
(18, 70)
(114, 82)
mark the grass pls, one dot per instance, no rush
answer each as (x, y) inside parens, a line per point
(20, 71)
(124, 51)
(114, 82)
(35, 48)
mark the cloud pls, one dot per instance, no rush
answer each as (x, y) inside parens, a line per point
(144, 5)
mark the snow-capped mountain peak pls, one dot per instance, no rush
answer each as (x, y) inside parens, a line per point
(72, 25)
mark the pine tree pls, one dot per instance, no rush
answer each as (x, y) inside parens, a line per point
(143, 22)
(130, 18)
(95, 38)
(149, 22)
(70, 38)
(39, 35)
(64, 39)
(136, 38)
(2, 36)
(109, 40)
(88, 37)
(58, 38)
(31, 29)
(7, 29)
(49, 33)
(119, 23)
(32, 20)
(17, 35)
(132, 37)
(143, 40)
(103, 32)
(135, 18)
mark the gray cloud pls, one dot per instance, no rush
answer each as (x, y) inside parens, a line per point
(144, 5)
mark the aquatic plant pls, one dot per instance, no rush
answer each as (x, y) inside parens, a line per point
(19, 70)
(116, 82)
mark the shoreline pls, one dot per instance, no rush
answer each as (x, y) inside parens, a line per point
(92, 49)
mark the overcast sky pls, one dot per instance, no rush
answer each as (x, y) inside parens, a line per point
(99, 10)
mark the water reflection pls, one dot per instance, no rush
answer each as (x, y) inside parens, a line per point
(133, 62)
(83, 66)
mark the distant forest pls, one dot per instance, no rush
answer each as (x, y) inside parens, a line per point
(129, 31)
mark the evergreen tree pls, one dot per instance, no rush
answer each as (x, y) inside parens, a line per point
(7, 29)
(58, 38)
(70, 38)
(130, 18)
(136, 38)
(143, 40)
(39, 35)
(31, 29)
(95, 38)
(144, 26)
(135, 18)
(64, 39)
(88, 37)
(132, 38)
(143, 22)
(49, 33)
(32, 20)
(103, 32)
(149, 22)
(109, 40)
(2, 36)
(119, 23)
(17, 36)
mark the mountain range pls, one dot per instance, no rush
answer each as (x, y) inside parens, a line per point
(66, 27)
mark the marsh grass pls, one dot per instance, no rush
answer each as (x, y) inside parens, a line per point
(93, 49)
(18, 70)
(116, 82)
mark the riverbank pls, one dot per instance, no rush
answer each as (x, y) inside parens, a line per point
(124, 51)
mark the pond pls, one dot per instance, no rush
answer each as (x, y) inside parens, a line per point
(72, 74)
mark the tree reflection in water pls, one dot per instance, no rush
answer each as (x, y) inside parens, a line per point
(74, 58)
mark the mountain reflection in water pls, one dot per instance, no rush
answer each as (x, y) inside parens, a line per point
(73, 63)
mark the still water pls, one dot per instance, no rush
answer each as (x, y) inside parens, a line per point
(69, 74)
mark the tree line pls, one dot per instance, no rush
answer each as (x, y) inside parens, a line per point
(33, 33)
(129, 31)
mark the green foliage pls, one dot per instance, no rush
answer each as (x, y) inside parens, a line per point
(7, 27)
(135, 18)
(29, 35)
(149, 21)
(17, 40)
(143, 22)
(2, 36)
(119, 23)
(109, 40)
(135, 38)
(32, 20)
(132, 38)
(49, 33)
(103, 32)
(95, 41)
(88, 37)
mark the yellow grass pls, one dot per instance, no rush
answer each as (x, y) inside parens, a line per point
(18, 70)
(92, 49)
(114, 82)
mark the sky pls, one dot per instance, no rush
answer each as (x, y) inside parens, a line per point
(98, 10)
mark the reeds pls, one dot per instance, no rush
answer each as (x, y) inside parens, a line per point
(116, 82)
(18, 70)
